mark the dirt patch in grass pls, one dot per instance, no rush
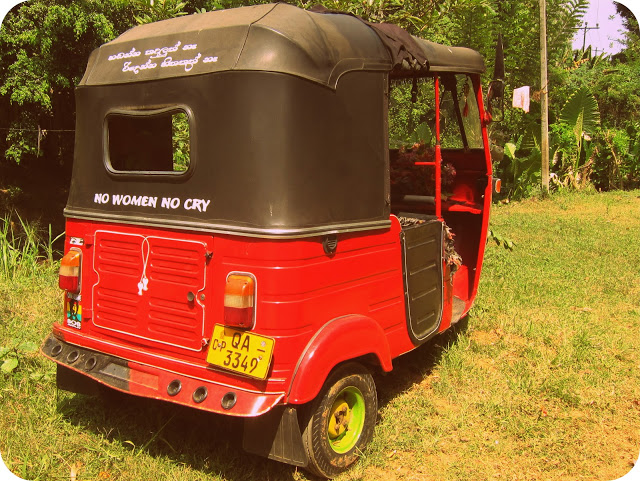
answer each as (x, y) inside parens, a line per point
(486, 364)
(485, 338)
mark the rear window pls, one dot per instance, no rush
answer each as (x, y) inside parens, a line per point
(148, 142)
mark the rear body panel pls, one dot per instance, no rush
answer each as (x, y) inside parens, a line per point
(142, 286)
(135, 304)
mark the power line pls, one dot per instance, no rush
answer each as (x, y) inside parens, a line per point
(44, 131)
(586, 27)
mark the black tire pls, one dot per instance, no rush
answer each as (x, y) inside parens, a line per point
(349, 384)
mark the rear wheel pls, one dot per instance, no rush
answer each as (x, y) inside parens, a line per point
(341, 420)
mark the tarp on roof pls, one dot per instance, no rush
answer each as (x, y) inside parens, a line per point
(274, 38)
(411, 54)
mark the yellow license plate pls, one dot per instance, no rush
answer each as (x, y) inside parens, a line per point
(240, 351)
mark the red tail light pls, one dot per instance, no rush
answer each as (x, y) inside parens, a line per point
(239, 301)
(69, 275)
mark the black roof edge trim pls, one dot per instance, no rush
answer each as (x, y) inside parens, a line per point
(265, 233)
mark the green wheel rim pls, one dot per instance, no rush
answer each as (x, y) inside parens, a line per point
(348, 439)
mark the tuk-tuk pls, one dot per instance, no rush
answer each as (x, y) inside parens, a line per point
(246, 234)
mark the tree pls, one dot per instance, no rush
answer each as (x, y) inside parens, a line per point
(156, 10)
(44, 47)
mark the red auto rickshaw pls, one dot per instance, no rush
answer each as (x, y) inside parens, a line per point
(247, 233)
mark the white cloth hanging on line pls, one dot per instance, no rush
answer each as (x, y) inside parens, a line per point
(521, 98)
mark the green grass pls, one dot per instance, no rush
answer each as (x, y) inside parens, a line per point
(540, 382)
(23, 248)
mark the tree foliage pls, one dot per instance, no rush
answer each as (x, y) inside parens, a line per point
(631, 40)
(44, 46)
(156, 10)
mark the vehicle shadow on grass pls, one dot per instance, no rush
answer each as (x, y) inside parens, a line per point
(209, 443)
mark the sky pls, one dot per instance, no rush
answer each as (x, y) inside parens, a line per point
(602, 13)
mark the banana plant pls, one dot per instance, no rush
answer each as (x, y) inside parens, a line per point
(581, 113)
(525, 162)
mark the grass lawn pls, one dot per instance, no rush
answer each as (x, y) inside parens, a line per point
(539, 382)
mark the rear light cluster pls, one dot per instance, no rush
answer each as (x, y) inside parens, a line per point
(69, 275)
(239, 301)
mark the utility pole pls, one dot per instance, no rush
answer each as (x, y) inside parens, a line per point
(544, 97)
(584, 36)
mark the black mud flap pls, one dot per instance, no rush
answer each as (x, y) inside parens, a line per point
(72, 381)
(276, 435)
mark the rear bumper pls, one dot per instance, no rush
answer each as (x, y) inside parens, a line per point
(153, 382)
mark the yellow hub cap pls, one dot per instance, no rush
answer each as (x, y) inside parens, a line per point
(339, 418)
(346, 420)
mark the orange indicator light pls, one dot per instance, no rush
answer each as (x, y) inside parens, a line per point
(69, 274)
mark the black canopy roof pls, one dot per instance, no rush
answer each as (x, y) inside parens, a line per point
(287, 121)
(319, 46)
